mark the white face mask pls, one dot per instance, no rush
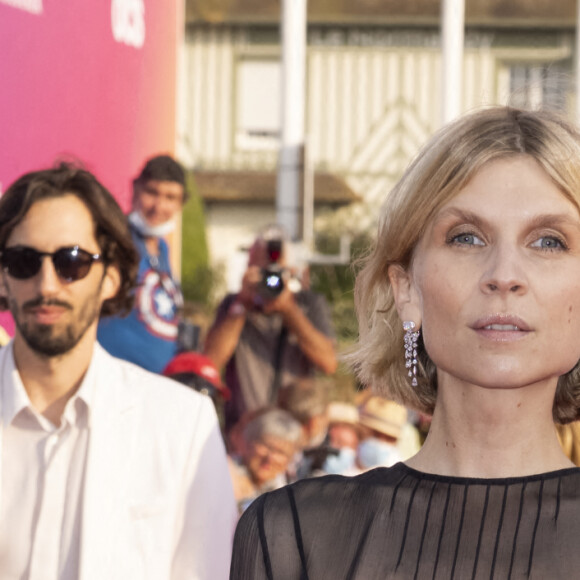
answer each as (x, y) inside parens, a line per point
(374, 452)
(340, 463)
(138, 222)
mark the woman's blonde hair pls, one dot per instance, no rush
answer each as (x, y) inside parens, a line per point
(440, 171)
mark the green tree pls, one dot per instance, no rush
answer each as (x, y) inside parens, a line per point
(336, 283)
(197, 276)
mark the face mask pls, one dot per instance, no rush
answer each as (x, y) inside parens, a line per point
(341, 463)
(158, 231)
(376, 453)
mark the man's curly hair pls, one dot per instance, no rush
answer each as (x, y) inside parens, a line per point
(111, 228)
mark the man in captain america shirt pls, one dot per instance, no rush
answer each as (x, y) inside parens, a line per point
(148, 336)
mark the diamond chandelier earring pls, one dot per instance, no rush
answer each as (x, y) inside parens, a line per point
(411, 337)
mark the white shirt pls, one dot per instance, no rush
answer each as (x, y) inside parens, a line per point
(133, 486)
(42, 477)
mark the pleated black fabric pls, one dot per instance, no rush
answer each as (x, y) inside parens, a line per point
(399, 523)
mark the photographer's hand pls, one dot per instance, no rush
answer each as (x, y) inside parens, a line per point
(223, 337)
(283, 304)
(250, 282)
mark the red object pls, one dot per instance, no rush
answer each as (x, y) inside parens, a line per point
(197, 364)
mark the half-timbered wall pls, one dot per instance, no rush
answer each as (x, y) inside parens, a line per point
(373, 95)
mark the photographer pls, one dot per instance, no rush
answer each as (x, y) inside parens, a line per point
(271, 333)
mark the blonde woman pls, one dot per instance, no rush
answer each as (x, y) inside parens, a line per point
(469, 309)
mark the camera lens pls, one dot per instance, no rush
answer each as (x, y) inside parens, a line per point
(272, 282)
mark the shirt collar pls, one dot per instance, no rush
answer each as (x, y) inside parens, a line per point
(15, 398)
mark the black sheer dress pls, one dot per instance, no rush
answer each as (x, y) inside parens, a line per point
(404, 524)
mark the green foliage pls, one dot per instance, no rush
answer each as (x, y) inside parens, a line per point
(336, 283)
(197, 276)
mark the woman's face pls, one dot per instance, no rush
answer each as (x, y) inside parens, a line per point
(495, 281)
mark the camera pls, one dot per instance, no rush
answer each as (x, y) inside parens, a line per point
(272, 282)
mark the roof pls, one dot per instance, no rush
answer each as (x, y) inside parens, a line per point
(496, 13)
(260, 187)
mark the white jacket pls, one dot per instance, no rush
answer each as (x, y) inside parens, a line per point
(158, 501)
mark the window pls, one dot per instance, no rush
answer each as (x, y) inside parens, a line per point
(257, 104)
(535, 85)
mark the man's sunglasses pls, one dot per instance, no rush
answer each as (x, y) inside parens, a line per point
(70, 264)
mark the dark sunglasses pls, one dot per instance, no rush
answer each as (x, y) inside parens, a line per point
(70, 264)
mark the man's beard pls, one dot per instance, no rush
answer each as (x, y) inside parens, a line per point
(47, 339)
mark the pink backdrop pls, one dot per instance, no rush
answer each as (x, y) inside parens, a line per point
(69, 89)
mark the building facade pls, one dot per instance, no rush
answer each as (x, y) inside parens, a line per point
(372, 97)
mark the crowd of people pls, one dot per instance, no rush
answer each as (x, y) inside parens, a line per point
(128, 450)
(274, 341)
(304, 435)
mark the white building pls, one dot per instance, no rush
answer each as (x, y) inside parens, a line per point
(373, 96)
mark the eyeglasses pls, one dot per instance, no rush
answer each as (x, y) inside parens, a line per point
(70, 264)
(277, 457)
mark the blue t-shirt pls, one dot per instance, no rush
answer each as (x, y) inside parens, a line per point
(148, 336)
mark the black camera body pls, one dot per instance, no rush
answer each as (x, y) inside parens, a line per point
(274, 277)
(272, 282)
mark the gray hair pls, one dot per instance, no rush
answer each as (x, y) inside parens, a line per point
(304, 399)
(274, 423)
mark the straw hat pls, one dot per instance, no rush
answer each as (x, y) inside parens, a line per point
(339, 412)
(383, 416)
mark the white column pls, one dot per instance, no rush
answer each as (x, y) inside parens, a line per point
(452, 35)
(291, 156)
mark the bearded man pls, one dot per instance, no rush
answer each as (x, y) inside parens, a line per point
(106, 470)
